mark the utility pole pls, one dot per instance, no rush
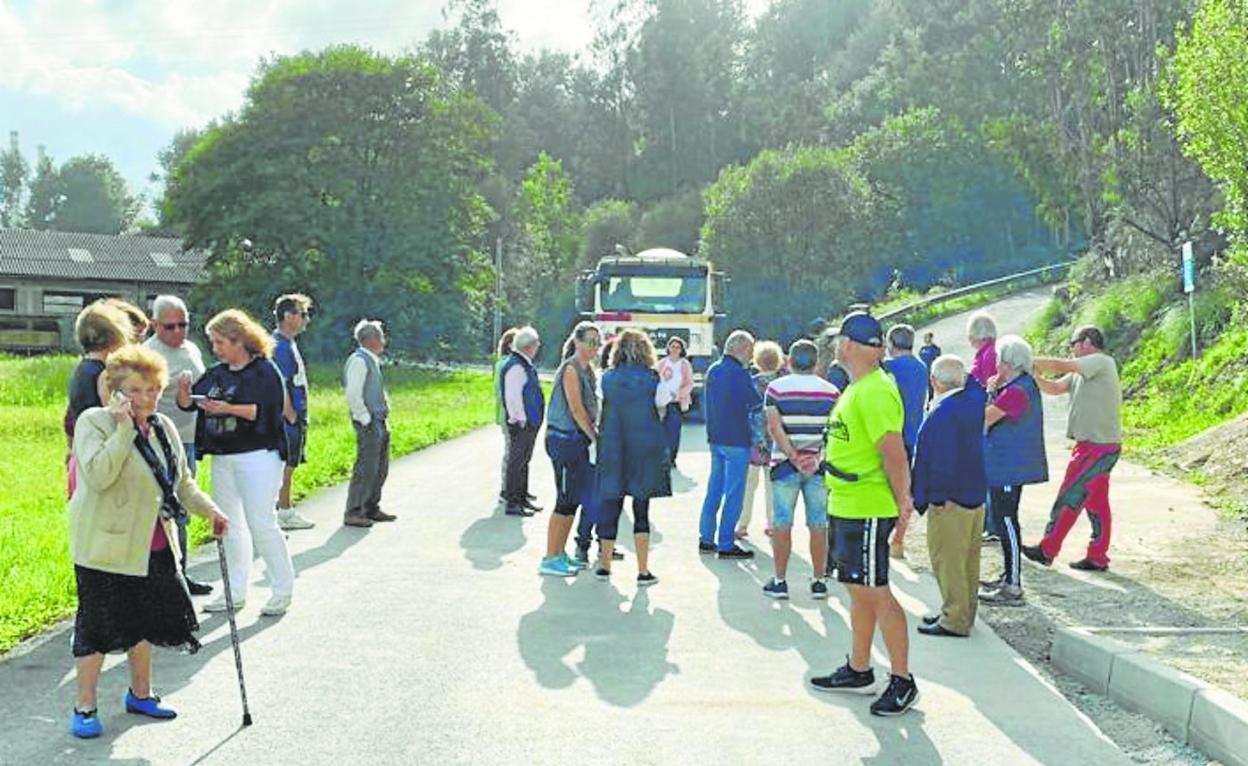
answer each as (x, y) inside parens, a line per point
(498, 290)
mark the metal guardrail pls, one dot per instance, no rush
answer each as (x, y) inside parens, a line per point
(1045, 272)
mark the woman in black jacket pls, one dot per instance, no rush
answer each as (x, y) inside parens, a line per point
(633, 454)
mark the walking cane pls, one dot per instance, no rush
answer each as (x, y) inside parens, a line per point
(229, 611)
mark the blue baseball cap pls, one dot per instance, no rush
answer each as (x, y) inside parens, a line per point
(861, 327)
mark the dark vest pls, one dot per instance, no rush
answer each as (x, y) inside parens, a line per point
(374, 391)
(1015, 450)
(534, 399)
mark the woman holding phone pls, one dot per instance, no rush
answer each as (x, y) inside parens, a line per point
(133, 484)
(242, 428)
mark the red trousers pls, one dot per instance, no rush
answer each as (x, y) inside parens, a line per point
(1085, 488)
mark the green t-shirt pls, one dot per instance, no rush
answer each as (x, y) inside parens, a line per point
(869, 409)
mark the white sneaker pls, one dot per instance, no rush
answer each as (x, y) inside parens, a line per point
(276, 607)
(218, 604)
(289, 518)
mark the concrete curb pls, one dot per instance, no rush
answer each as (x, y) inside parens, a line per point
(1196, 713)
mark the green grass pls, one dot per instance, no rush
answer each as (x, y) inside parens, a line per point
(36, 574)
(1169, 396)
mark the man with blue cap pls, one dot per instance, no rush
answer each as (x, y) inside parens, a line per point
(868, 481)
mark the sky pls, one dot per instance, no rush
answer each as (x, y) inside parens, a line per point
(120, 77)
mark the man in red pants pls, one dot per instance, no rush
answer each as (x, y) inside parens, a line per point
(1095, 424)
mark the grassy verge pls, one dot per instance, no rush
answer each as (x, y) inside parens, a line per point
(1169, 396)
(36, 575)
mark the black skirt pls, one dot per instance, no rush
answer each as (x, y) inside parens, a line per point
(116, 612)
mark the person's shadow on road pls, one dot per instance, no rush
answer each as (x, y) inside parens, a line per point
(487, 540)
(625, 651)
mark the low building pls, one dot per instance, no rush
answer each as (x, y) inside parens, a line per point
(46, 277)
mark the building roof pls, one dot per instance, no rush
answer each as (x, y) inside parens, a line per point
(67, 255)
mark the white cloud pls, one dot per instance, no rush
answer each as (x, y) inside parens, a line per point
(182, 62)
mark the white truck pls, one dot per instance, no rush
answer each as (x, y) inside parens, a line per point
(664, 292)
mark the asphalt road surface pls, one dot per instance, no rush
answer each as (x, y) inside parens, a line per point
(434, 641)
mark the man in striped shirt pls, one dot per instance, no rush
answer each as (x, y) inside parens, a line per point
(797, 407)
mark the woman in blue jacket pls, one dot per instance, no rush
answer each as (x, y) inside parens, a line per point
(1013, 456)
(633, 454)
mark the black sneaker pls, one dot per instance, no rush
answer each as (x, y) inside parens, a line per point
(602, 573)
(735, 552)
(1088, 565)
(1036, 554)
(988, 538)
(646, 579)
(899, 697)
(515, 510)
(582, 555)
(818, 589)
(706, 547)
(846, 679)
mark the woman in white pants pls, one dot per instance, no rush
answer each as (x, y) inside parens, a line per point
(241, 425)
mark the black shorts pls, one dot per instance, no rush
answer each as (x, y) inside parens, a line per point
(861, 550)
(296, 443)
(569, 454)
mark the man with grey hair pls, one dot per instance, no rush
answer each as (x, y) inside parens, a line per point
(949, 479)
(730, 395)
(170, 326)
(911, 376)
(370, 407)
(525, 405)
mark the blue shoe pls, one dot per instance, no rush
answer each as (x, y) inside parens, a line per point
(85, 725)
(556, 566)
(777, 589)
(149, 707)
(576, 564)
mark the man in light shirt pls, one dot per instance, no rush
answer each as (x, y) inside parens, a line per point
(170, 327)
(525, 404)
(369, 405)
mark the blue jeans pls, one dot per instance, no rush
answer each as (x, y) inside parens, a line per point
(726, 486)
(671, 428)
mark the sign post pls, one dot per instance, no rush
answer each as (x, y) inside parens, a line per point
(1189, 287)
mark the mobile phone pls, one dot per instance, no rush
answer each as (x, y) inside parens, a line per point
(198, 398)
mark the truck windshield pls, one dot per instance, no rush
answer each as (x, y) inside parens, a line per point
(654, 294)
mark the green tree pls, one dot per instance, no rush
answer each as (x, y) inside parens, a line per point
(94, 198)
(674, 222)
(45, 193)
(14, 171)
(606, 223)
(799, 232)
(356, 177)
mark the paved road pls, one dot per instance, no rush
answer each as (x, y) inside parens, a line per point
(433, 640)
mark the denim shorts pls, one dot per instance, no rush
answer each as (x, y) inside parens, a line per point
(784, 493)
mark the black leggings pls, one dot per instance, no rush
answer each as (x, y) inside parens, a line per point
(609, 522)
(1004, 501)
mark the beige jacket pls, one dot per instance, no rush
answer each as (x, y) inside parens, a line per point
(115, 507)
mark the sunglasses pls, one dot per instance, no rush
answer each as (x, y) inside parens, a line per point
(171, 326)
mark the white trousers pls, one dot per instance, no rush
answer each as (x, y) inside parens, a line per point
(245, 486)
(754, 476)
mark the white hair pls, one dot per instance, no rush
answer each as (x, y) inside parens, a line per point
(1015, 352)
(367, 329)
(164, 303)
(981, 326)
(736, 339)
(525, 337)
(949, 371)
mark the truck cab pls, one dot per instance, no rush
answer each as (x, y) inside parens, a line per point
(664, 292)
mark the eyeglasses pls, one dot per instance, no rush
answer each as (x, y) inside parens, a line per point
(171, 326)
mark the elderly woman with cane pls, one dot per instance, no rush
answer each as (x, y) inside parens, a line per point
(133, 484)
(632, 449)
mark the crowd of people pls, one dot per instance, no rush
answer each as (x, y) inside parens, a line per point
(864, 439)
(144, 409)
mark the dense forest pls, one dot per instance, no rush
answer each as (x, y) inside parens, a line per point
(822, 152)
